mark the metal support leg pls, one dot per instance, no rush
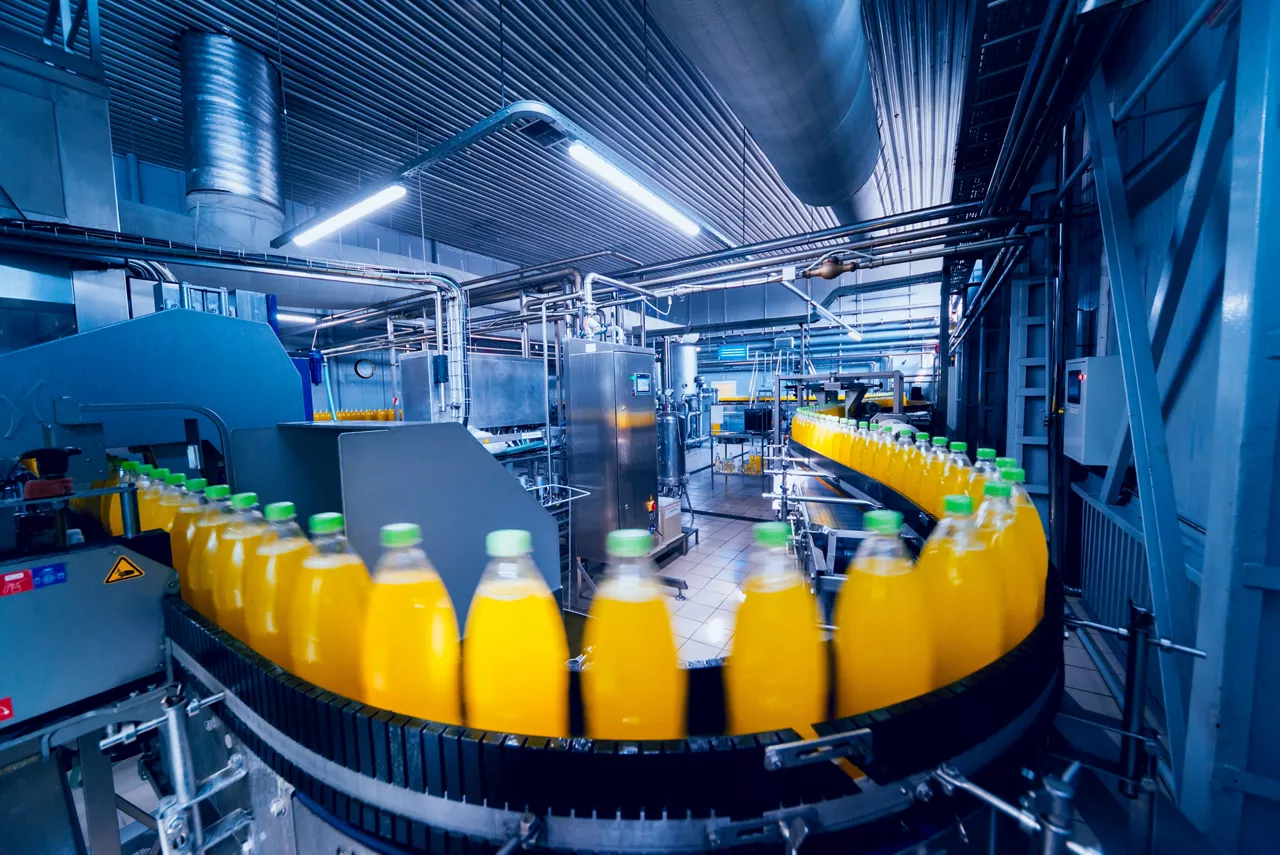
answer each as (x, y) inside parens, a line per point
(1133, 752)
(1161, 534)
(99, 797)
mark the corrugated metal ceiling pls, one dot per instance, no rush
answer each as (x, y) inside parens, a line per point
(369, 84)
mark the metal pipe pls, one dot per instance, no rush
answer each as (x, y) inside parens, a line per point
(328, 390)
(892, 221)
(1133, 754)
(1162, 63)
(591, 279)
(130, 521)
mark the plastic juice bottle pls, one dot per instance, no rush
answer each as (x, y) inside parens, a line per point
(101, 507)
(204, 546)
(1019, 595)
(902, 461)
(965, 593)
(871, 451)
(632, 684)
(128, 475)
(865, 438)
(883, 639)
(515, 673)
(777, 675)
(1031, 531)
(269, 582)
(1006, 463)
(171, 496)
(183, 528)
(931, 475)
(149, 500)
(983, 470)
(919, 459)
(844, 443)
(955, 475)
(327, 617)
(884, 454)
(411, 655)
(142, 478)
(236, 545)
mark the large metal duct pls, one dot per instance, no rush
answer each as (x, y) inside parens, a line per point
(795, 73)
(231, 119)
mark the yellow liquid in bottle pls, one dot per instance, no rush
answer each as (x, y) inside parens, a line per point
(776, 676)
(202, 561)
(147, 507)
(632, 684)
(953, 482)
(977, 481)
(270, 580)
(884, 641)
(236, 546)
(331, 596)
(167, 510)
(902, 461)
(515, 660)
(1032, 533)
(965, 593)
(181, 533)
(411, 658)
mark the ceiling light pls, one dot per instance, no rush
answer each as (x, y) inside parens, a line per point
(347, 216)
(628, 186)
(291, 318)
(855, 335)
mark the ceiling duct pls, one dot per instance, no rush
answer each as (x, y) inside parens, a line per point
(795, 72)
(231, 120)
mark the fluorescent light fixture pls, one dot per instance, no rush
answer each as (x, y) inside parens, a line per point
(628, 186)
(855, 335)
(291, 318)
(347, 216)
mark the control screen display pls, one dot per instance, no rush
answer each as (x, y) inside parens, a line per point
(641, 384)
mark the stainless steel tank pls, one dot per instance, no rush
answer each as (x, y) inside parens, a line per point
(684, 367)
(671, 466)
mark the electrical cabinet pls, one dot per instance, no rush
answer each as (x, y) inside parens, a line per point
(1093, 410)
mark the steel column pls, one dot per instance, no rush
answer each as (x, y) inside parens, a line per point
(1161, 535)
(1197, 191)
(1234, 795)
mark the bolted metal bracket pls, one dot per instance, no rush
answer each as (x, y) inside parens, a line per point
(855, 743)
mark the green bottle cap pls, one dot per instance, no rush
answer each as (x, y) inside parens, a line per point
(244, 501)
(159, 474)
(959, 446)
(145, 468)
(1013, 474)
(865, 424)
(279, 511)
(129, 466)
(772, 534)
(957, 505)
(399, 535)
(327, 523)
(999, 489)
(906, 429)
(986, 454)
(922, 436)
(217, 491)
(628, 543)
(940, 441)
(1006, 462)
(173, 479)
(196, 485)
(508, 543)
(886, 428)
(883, 522)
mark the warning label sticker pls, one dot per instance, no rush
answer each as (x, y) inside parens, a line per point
(122, 571)
(6, 708)
(17, 582)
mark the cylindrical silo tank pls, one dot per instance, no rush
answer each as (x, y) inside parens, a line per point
(684, 367)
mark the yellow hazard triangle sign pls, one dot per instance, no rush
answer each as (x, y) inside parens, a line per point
(123, 570)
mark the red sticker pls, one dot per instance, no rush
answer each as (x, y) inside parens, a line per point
(17, 582)
(6, 709)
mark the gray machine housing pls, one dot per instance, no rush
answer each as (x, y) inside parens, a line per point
(612, 447)
(506, 391)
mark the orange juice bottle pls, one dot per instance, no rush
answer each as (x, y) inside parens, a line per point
(1005, 463)
(965, 593)
(149, 501)
(515, 673)
(171, 495)
(128, 474)
(919, 460)
(931, 474)
(100, 507)
(1031, 531)
(955, 476)
(411, 658)
(183, 528)
(904, 452)
(632, 684)
(204, 546)
(330, 601)
(776, 677)
(269, 580)
(983, 470)
(843, 441)
(1019, 596)
(236, 546)
(871, 450)
(883, 638)
(884, 454)
(144, 480)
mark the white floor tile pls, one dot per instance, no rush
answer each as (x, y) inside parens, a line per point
(696, 651)
(695, 611)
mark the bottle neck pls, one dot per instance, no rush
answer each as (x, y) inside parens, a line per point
(332, 544)
(630, 567)
(958, 458)
(281, 529)
(772, 563)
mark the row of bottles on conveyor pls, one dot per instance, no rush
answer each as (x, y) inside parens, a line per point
(390, 638)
